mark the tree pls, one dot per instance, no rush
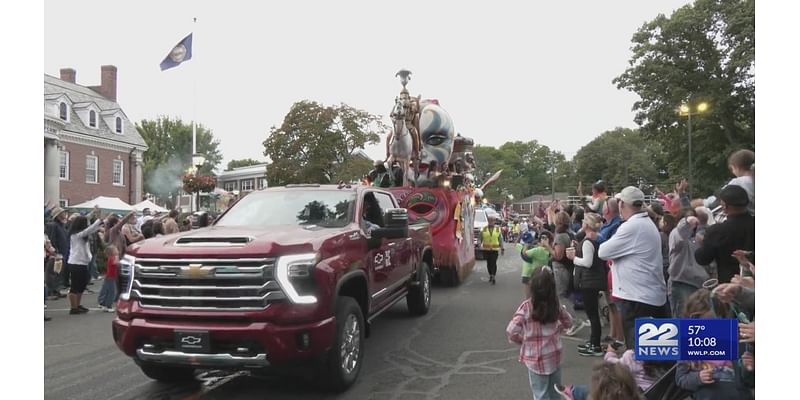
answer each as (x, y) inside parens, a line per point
(620, 157)
(352, 169)
(314, 141)
(526, 169)
(246, 162)
(703, 52)
(169, 153)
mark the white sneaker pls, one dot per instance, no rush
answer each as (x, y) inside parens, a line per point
(576, 327)
(110, 310)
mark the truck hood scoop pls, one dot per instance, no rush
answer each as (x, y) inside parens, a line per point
(214, 241)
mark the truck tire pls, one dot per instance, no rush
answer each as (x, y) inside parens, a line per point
(418, 298)
(167, 374)
(345, 357)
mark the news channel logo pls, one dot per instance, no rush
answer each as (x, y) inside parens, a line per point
(666, 339)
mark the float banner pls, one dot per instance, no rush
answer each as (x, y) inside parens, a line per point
(686, 339)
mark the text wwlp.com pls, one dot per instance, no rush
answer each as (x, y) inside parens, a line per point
(702, 353)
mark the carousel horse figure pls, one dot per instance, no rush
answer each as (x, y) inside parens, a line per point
(400, 142)
(403, 142)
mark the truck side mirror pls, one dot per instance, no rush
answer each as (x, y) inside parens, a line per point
(395, 226)
(395, 218)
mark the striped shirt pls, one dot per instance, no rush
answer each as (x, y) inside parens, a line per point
(541, 343)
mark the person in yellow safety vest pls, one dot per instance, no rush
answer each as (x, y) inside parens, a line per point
(491, 242)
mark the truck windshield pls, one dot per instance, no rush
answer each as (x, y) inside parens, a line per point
(480, 217)
(324, 208)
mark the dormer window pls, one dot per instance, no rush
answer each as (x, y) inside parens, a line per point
(118, 124)
(62, 111)
(92, 119)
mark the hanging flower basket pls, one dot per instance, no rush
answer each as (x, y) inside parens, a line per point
(197, 184)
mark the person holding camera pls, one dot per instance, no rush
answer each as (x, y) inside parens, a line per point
(737, 232)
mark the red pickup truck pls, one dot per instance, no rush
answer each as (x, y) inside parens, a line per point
(289, 274)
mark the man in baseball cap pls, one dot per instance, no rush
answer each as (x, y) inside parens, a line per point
(737, 232)
(631, 195)
(56, 231)
(637, 271)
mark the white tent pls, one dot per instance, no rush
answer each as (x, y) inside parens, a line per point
(107, 204)
(149, 204)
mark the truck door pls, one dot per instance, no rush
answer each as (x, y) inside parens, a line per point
(399, 262)
(382, 261)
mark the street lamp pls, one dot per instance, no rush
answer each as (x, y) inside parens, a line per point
(685, 110)
(198, 160)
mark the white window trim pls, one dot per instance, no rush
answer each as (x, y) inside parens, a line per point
(63, 203)
(121, 126)
(96, 169)
(232, 184)
(121, 172)
(59, 110)
(96, 118)
(262, 183)
(242, 182)
(66, 169)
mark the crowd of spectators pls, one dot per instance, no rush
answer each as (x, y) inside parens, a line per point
(674, 257)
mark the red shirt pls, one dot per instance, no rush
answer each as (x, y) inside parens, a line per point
(111, 268)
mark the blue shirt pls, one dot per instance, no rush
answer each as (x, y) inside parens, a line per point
(608, 230)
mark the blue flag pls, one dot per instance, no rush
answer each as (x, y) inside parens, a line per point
(180, 53)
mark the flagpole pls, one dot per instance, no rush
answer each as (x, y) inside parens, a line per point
(194, 111)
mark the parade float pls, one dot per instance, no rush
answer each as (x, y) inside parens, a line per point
(437, 185)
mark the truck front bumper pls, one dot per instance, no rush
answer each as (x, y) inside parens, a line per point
(233, 344)
(149, 354)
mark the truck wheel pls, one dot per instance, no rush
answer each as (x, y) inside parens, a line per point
(418, 298)
(345, 357)
(167, 374)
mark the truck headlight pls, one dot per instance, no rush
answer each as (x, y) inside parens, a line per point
(126, 271)
(295, 274)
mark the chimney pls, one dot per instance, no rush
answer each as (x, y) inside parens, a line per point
(108, 82)
(68, 74)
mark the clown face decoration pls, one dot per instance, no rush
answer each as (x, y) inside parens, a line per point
(437, 134)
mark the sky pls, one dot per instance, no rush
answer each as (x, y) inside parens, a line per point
(504, 70)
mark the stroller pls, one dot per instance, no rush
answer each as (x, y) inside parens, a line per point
(665, 388)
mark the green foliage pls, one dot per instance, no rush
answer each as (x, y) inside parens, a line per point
(527, 168)
(169, 154)
(703, 52)
(620, 157)
(352, 169)
(246, 162)
(314, 142)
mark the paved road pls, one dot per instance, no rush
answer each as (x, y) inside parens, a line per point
(457, 351)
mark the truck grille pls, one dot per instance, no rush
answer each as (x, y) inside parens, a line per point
(220, 284)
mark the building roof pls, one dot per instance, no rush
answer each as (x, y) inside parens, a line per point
(249, 171)
(81, 95)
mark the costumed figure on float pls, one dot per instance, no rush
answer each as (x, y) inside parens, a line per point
(437, 179)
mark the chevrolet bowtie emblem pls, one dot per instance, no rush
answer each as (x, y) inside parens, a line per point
(197, 271)
(191, 340)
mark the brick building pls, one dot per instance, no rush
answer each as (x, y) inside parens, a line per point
(91, 148)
